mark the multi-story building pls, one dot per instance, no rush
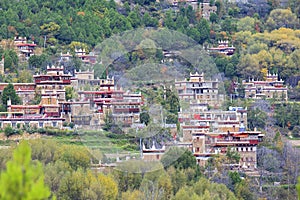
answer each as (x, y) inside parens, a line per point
(197, 89)
(90, 58)
(223, 48)
(272, 87)
(124, 107)
(85, 79)
(242, 141)
(45, 114)
(55, 80)
(210, 132)
(24, 48)
(204, 7)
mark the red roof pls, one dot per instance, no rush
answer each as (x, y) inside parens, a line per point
(26, 44)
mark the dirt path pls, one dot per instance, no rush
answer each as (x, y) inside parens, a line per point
(294, 142)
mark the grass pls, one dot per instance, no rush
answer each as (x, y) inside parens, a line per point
(293, 138)
(102, 140)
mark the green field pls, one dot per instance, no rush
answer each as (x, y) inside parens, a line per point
(104, 141)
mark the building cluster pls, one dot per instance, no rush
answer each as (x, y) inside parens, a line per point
(89, 109)
(223, 48)
(24, 48)
(207, 130)
(87, 58)
(270, 88)
(204, 7)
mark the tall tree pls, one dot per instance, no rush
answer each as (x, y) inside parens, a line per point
(10, 93)
(23, 178)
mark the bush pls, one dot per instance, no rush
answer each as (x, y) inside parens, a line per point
(296, 131)
(8, 131)
(71, 125)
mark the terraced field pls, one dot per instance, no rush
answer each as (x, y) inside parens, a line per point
(104, 141)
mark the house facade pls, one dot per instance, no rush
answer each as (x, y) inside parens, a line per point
(270, 88)
(197, 89)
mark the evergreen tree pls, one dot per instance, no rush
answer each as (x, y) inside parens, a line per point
(10, 93)
(23, 178)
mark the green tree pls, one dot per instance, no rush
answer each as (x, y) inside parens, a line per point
(232, 156)
(213, 18)
(282, 18)
(145, 117)
(242, 190)
(204, 30)
(10, 60)
(23, 178)
(70, 93)
(37, 61)
(10, 93)
(76, 156)
(246, 24)
(257, 118)
(25, 76)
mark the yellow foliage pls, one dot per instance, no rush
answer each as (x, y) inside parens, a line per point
(136, 194)
(108, 186)
(264, 71)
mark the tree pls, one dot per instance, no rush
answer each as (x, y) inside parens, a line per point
(136, 194)
(248, 66)
(246, 24)
(23, 178)
(77, 157)
(134, 19)
(25, 76)
(228, 25)
(179, 158)
(10, 93)
(70, 93)
(145, 117)
(10, 60)
(232, 156)
(282, 18)
(257, 119)
(72, 185)
(37, 61)
(213, 18)
(109, 121)
(204, 30)
(242, 190)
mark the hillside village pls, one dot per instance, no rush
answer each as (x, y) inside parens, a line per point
(204, 127)
(160, 99)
